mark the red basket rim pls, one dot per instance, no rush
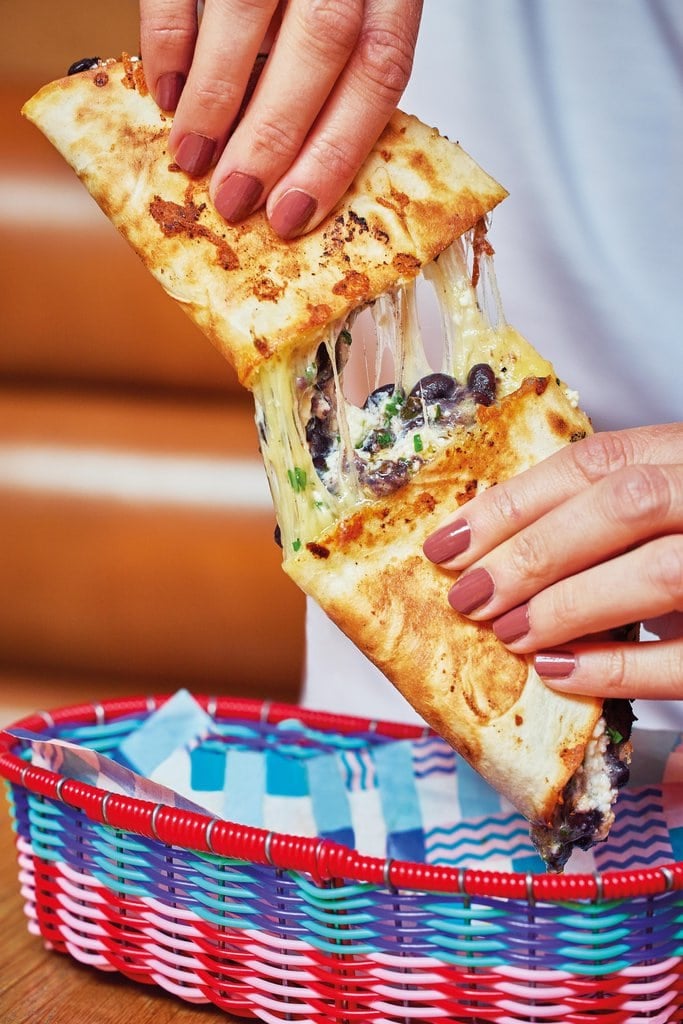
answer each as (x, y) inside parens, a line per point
(323, 859)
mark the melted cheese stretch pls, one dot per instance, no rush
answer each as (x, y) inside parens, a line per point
(304, 506)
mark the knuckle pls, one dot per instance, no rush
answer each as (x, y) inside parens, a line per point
(173, 35)
(598, 455)
(506, 506)
(565, 604)
(614, 669)
(331, 26)
(386, 60)
(529, 556)
(211, 95)
(641, 494)
(672, 668)
(333, 157)
(666, 568)
(276, 138)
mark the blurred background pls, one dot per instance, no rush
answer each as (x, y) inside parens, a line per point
(136, 531)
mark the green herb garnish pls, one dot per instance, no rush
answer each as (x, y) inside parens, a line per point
(392, 406)
(297, 479)
(614, 735)
(417, 442)
(296, 544)
(311, 372)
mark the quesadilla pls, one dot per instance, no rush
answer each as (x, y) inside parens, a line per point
(357, 489)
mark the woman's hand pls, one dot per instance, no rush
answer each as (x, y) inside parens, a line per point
(587, 541)
(333, 77)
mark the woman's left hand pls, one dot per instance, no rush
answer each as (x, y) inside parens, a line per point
(587, 541)
(330, 75)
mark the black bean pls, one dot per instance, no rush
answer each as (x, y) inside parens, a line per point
(618, 772)
(319, 441)
(481, 380)
(377, 396)
(583, 825)
(83, 65)
(342, 350)
(387, 477)
(324, 364)
(435, 387)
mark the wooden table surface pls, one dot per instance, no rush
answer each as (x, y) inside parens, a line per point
(40, 987)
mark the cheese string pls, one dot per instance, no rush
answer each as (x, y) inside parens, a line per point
(347, 463)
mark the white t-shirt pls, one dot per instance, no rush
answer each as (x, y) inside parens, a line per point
(576, 106)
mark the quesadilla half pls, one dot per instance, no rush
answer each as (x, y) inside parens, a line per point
(357, 489)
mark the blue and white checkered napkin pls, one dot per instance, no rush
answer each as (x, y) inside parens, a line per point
(406, 799)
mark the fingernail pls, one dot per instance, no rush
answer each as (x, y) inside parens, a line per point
(195, 154)
(292, 213)
(238, 196)
(513, 625)
(471, 591)
(554, 664)
(448, 541)
(168, 90)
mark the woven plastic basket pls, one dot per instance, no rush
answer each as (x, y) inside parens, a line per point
(284, 928)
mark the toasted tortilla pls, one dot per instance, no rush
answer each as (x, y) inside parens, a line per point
(253, 294)
(370, 576)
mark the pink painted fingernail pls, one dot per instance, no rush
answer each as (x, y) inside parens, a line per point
(448, 541)
(292, 213)
(513, 625)
(554, 664)
(195, 154)
(168, 89)
(472, 590)
(238, 196)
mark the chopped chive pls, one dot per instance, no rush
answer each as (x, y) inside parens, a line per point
(297, 479)
(311, 372)
(384, 438)
(392, 406)
(417, 442)
(614, 735)
(437, 413)
(296, 544)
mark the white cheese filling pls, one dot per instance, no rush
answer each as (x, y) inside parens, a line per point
(306, 504)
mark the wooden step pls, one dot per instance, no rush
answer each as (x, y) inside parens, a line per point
(137, 543)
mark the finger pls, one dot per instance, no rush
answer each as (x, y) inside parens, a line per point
(362, 101)
(649, 671)
(629, 506)
(501, 511)
(312, 48)
(228, 42)
(168, 30)
(639, 584)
